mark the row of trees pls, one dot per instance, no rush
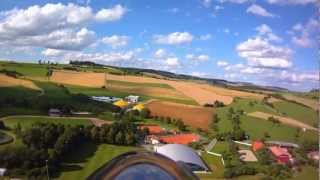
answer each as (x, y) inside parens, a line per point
(176, 122)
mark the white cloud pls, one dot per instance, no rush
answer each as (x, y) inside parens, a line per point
(234, 1)
(266, 32)
(174, 10)
(52, 53)
(116, 41)
(199, 58)
(306, 35)
(55, 26)
(218, 8)
(226, 30)
(258, 10)
(206, 3)
(260, 53)
(222, 63)
(172, 61)
(291, 2)
(175, 38)
(199, 74)
(299, 77)
(113, 14)
(160, 53)
(205, 37)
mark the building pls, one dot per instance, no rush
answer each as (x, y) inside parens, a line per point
(281, 154)
(179, 139)
(153, 128)
(121, 103)
(283, 144)
(314, 155)
(257, 145)
(184, 154)
(138, 107)
(54, 112)
(132, 99)
(105, 99)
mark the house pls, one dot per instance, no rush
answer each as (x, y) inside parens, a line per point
(121, 103)
(257, 145)
(179, 138)
(153, 128)
(105, 99)
(138, 107)
(281, 154)
(132, 99)
(2, 171)
(152, 139)
(314, 155)
(54, 112)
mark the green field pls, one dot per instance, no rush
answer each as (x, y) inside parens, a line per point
(298, 112)
(26, 121)
(89, 158)
(135, 84)
(215, 165)
(27, 69)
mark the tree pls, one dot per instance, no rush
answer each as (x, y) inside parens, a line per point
(145, 113)
(119, 138)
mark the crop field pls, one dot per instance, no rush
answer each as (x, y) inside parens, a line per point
(305, 99)
(194, 116)
(27, 121)
(298, 112)
(79, 78)
(89, 158)
(7, 81)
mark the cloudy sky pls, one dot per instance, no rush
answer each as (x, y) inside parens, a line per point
(267, 42)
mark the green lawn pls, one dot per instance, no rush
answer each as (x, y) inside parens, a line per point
(307, 173)
(27, 69)
(26, 122)
(298, 112)
(160, 123)
(215, 165)
(88, 158)
(126, 83)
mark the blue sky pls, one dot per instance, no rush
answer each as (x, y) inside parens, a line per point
(267, 42)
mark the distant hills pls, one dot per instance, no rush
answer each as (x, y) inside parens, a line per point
(220, 82)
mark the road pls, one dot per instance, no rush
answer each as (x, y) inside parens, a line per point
(95, 121)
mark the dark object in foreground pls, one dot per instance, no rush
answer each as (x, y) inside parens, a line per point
(142, 165)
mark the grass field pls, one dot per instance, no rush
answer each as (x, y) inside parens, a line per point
(298, 112)
(26, 121)
(307, 172)
(88, 158)
(135, 84)
(215, 165)
(27, 69)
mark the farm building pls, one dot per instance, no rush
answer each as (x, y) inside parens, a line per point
(121, 103)
(54, 112)
(283, 144)
(138, 107)
(153, 128)
(182, 153)
(281, 154)
(257, 145)
(179, 138)
(314, 155)
(105, 98)
(132, 99)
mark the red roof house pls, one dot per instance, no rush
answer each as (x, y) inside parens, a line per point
(282, 154)
(257, 145)
(179, 138)
(153, 129)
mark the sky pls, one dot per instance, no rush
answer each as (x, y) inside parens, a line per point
(266, 42)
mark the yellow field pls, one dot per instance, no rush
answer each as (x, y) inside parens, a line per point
(308, 102)
(7, 81)
(79, 78)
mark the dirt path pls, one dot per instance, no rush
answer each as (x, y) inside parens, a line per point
(284, 120)
(95, 121)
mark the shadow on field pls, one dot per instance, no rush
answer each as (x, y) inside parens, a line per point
(74, 160)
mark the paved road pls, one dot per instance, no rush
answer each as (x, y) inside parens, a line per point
(95, 121)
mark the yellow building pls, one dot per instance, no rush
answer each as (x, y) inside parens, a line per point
(138, 107)
(121, 103)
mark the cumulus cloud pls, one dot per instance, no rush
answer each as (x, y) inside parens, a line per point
(222, 63)
(306, 35)
(116, 41)
(258, 10)
(55, 26)
(175, 38)
(298, 77)
(199, 58)
(266, 32)
(291, 2)
(113, 14)
(52, 53)
(172, 61)
(205, 37)
(160, 53)
(234, 1)
(260, 53)
(206, 3)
